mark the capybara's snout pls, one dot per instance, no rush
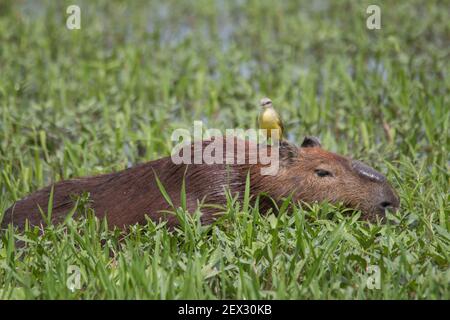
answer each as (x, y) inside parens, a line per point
(387, 200)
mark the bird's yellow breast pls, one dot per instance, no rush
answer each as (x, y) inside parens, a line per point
(269, 119)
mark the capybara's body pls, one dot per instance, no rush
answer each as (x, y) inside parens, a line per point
(308, 173)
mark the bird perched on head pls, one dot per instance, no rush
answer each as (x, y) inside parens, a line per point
(270, 120)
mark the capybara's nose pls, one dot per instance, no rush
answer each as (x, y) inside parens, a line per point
(389, 201)
(386, 205)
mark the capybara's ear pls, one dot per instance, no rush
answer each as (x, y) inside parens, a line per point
(310, 142)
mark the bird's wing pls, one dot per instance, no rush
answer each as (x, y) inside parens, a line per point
(280, 123)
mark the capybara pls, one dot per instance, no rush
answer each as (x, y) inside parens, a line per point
(308, 173)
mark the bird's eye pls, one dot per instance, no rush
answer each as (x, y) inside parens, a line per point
(323, 173)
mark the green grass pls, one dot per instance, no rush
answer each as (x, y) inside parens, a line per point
(95, 100)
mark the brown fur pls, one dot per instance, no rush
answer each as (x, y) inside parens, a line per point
(126, 197)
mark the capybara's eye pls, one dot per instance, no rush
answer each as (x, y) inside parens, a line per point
(323, 173)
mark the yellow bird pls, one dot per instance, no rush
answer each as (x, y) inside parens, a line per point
(270, 120)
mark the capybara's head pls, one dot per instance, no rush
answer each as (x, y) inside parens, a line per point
(326, 176)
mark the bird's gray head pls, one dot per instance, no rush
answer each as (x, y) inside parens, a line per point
(265, 103)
